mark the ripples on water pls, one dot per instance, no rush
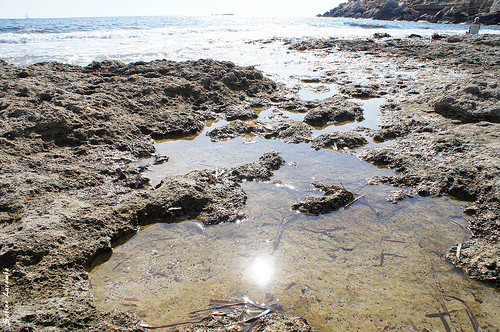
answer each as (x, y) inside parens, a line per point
(83, 40)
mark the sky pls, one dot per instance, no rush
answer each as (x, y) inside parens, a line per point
(90, 8)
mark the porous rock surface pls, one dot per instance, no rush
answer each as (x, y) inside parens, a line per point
(443, 123)
(69, 187)
(420, 10)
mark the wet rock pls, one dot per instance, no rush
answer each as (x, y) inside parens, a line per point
(139, 148)
(240, 112)
(68, 104)
(69, 137)
(170, 124)
(289, 131)
(462, 55)
(449, 126)
(334, 111)
(10, 210)
(379, 35)
(232, 130)
(437, 36)
(323, 204)
(67, 134)
(435, 11)
(470, 104)
(335, 198)
(260, 170)
(399, 196)
(359, 91)
(286, 130)
(159, 159)
(382, 135)
(277, 116)
(338, 140)
(478, 257)
(213, 196)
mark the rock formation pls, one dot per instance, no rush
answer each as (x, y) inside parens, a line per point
(435, 11)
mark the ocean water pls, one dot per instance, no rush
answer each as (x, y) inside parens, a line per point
(83, 40)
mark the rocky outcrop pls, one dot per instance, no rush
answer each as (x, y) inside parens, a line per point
(458, 11)
(69, 186)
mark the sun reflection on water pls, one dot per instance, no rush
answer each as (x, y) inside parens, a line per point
(262, 271)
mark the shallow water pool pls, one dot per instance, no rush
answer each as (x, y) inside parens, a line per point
(374, 265)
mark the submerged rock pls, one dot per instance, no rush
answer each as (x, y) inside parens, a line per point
(335, 198)
(213, 196)
(286, 130)
(399, 196)
(339, 140)
(281, 322)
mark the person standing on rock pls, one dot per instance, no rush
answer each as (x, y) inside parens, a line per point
(474, 27)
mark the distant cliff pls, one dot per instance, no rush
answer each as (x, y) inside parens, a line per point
(452, 11)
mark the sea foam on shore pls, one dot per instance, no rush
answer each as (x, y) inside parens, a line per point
(80, 41)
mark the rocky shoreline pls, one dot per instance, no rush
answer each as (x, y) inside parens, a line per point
(70, 136)
(434, 11)
(447, 133)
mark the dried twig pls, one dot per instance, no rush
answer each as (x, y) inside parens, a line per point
(439, 298)
(235, 316)
(354, 201)
(219, 304)
(413, 326)
(190, 321)
(323, 230)
(253, 320)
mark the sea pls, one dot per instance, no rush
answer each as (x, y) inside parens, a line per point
(80, 41)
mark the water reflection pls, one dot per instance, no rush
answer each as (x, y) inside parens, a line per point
(315, 91)
(262, 270)
(384, 268)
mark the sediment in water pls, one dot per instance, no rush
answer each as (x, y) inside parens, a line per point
(446, 126)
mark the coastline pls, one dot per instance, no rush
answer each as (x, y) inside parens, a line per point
(70, 135)
(437, 11)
